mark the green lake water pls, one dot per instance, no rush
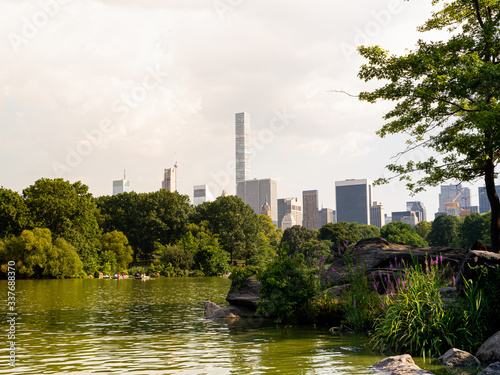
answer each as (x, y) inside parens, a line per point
(157, 327)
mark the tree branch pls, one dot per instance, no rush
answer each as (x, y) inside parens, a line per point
(344, 92)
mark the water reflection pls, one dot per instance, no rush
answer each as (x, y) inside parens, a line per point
(157, 327)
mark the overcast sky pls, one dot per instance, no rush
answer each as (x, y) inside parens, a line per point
(91, 88)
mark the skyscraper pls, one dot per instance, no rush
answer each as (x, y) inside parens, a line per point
(289, 212)
(255, 193)
(202, 194)
(310, 209)
(325, 215)
(419, 208)
(242, 147)
(121, 186)
(484, 203)
(353, 199)
(377, 216)
(170, 179)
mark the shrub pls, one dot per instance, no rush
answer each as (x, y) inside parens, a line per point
(287, 287)
(240, 274)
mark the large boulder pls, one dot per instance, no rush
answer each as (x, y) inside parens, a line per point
(475, 263)
(379, 253)
(493, 369)
(213, 311)
(458, 358)
(246, 296)
(381, 259)
(399, 365)
(489, 352)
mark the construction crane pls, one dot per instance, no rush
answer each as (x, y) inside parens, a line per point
(451, 206)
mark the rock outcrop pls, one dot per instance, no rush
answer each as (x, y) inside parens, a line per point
(242, 302)
(493, 369)
(489, 352)
(246, 296)
(472, 264)
(399, 365)
(213, 311)
(458, 358)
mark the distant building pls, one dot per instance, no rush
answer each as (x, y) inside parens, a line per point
(290, 206)
(325, 215)
(310, 206)
(242, 127)
(170, 179)
(388, 219)
(121, 186)
(288, 221)
(202, 194)
(408, 217)
(377, 215)
(452, 198)
(484, 203)
(256, 192)
(419, 208)
(266, 209)
(353, 200)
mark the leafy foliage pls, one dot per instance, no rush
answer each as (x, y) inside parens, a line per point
(287, 286)
(14, 215)
(117, 245)
(146, 218)
(444, 230)
(37, 255)
(398, 232)
(296, 236)
(447, 99)
(235, 223)
(68, 211)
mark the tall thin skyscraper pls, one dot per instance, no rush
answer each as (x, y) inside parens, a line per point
(353, 199)
(377, 216)
(170, 179)
(310, 209)
(242, 147)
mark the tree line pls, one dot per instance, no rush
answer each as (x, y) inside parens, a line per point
(56, 228)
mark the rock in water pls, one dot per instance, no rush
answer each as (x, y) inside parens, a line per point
(399, 365)
(458, 358)
(493, 369)
(489, 352)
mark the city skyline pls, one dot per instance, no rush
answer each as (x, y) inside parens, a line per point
(100, 86)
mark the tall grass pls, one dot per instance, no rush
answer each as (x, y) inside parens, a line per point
(418, 321)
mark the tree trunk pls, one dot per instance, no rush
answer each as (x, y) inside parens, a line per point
(489, 179)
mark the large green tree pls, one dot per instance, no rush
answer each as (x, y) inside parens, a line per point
(235, 222)
(68, 211)
(14, 215)
(446, 95)
(146, 219)
(399, 232)
(444, 231)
